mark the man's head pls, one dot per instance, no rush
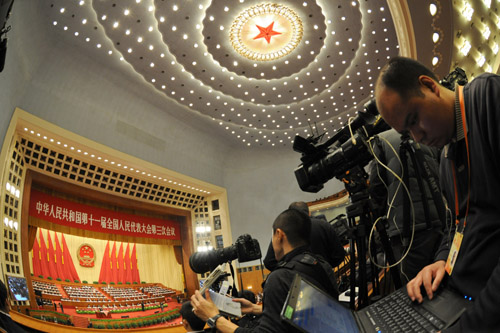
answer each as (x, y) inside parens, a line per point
(291, 229)
(409, 98)
(189, 320)
(300, 205)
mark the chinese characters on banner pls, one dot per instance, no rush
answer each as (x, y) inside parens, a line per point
(75, 215)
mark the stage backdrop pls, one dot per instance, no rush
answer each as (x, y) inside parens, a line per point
(156, 263)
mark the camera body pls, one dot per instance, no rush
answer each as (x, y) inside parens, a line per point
(346, 150)
(244, 249)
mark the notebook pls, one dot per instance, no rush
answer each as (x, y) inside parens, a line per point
(309, 309)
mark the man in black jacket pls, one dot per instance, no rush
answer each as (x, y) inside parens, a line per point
(291, 231)
(467, 123)
(324, 240)
(387, 191)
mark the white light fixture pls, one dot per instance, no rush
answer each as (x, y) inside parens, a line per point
(467, 11)
(435, 37)
(433, 9)
(465, 48)
(486, 32)
(435, 60)
(481, 61)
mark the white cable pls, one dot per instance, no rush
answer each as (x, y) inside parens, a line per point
(401, 182)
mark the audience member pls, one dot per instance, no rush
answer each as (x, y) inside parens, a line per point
(291, 236)
(389, 194)
(189, 320)
(324, 240)
(467, 123)
(6, 321)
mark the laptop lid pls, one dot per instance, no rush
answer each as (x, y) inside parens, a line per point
(309, 309)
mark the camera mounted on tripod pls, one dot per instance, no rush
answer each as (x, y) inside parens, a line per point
(346, 150)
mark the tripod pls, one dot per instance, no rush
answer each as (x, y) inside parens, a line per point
(422, 168)
(355, 182)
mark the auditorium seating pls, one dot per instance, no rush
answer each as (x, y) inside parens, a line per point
(46, 288)
(158, 291)
(121, 294)
(84, 293)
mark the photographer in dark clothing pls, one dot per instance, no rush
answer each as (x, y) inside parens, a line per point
(324, 240)
(291, 235)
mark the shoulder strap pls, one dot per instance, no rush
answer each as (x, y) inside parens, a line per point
(316, 269)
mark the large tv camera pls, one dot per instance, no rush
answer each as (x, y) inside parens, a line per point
(244, 249)
(346, 149)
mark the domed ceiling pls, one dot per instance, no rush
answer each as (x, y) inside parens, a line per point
(262, 71)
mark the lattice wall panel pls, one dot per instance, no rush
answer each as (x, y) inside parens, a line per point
(11, 212)
(75, 169)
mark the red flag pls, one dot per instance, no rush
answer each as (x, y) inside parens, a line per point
(135, 270)
(126, 265)
(58, 261)
(51, 257)
(68, 261)
(113, 264)
(37, 270)
(103, 276)
(44, 264)
(120, 267)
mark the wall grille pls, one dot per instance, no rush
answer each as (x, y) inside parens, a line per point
(11, 212)
(78, 170)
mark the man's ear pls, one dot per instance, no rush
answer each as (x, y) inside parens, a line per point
(279, 234)
(426, 82)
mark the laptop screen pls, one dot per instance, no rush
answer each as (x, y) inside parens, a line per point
(311, 310)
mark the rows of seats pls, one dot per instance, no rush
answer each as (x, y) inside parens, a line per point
(88, 293)
(46, 288)
(120, 294)
(116, 308)
(158, 291)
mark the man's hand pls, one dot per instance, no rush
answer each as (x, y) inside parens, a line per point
(430, 276)
(203, 308)
(248, 307)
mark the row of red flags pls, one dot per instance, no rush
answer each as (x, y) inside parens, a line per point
(121, 267)
(55, 262)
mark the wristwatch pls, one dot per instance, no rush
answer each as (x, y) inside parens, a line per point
(213, 321)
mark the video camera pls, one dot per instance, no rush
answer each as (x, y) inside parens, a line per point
(346, 149)
(244, 249)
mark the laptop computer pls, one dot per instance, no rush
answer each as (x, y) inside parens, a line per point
(309, 309)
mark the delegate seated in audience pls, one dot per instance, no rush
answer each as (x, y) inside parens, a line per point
(291, 236)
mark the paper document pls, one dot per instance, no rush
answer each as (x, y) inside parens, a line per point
(225, 304)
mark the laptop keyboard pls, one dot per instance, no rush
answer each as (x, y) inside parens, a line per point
(397, 313)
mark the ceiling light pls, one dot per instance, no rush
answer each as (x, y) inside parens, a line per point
(481, 61)
(433, 9)
(465, 48)
(435, 37)
(467, 11)
(495, 48)
(435, 60)
(279, 21)
(486, 32)
(487, 3)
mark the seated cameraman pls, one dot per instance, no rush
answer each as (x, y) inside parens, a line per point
(387, 190)
(324, 240)
(291, 235)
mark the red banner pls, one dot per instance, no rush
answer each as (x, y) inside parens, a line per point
(75, 215)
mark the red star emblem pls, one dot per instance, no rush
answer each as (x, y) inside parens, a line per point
(266, 32)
